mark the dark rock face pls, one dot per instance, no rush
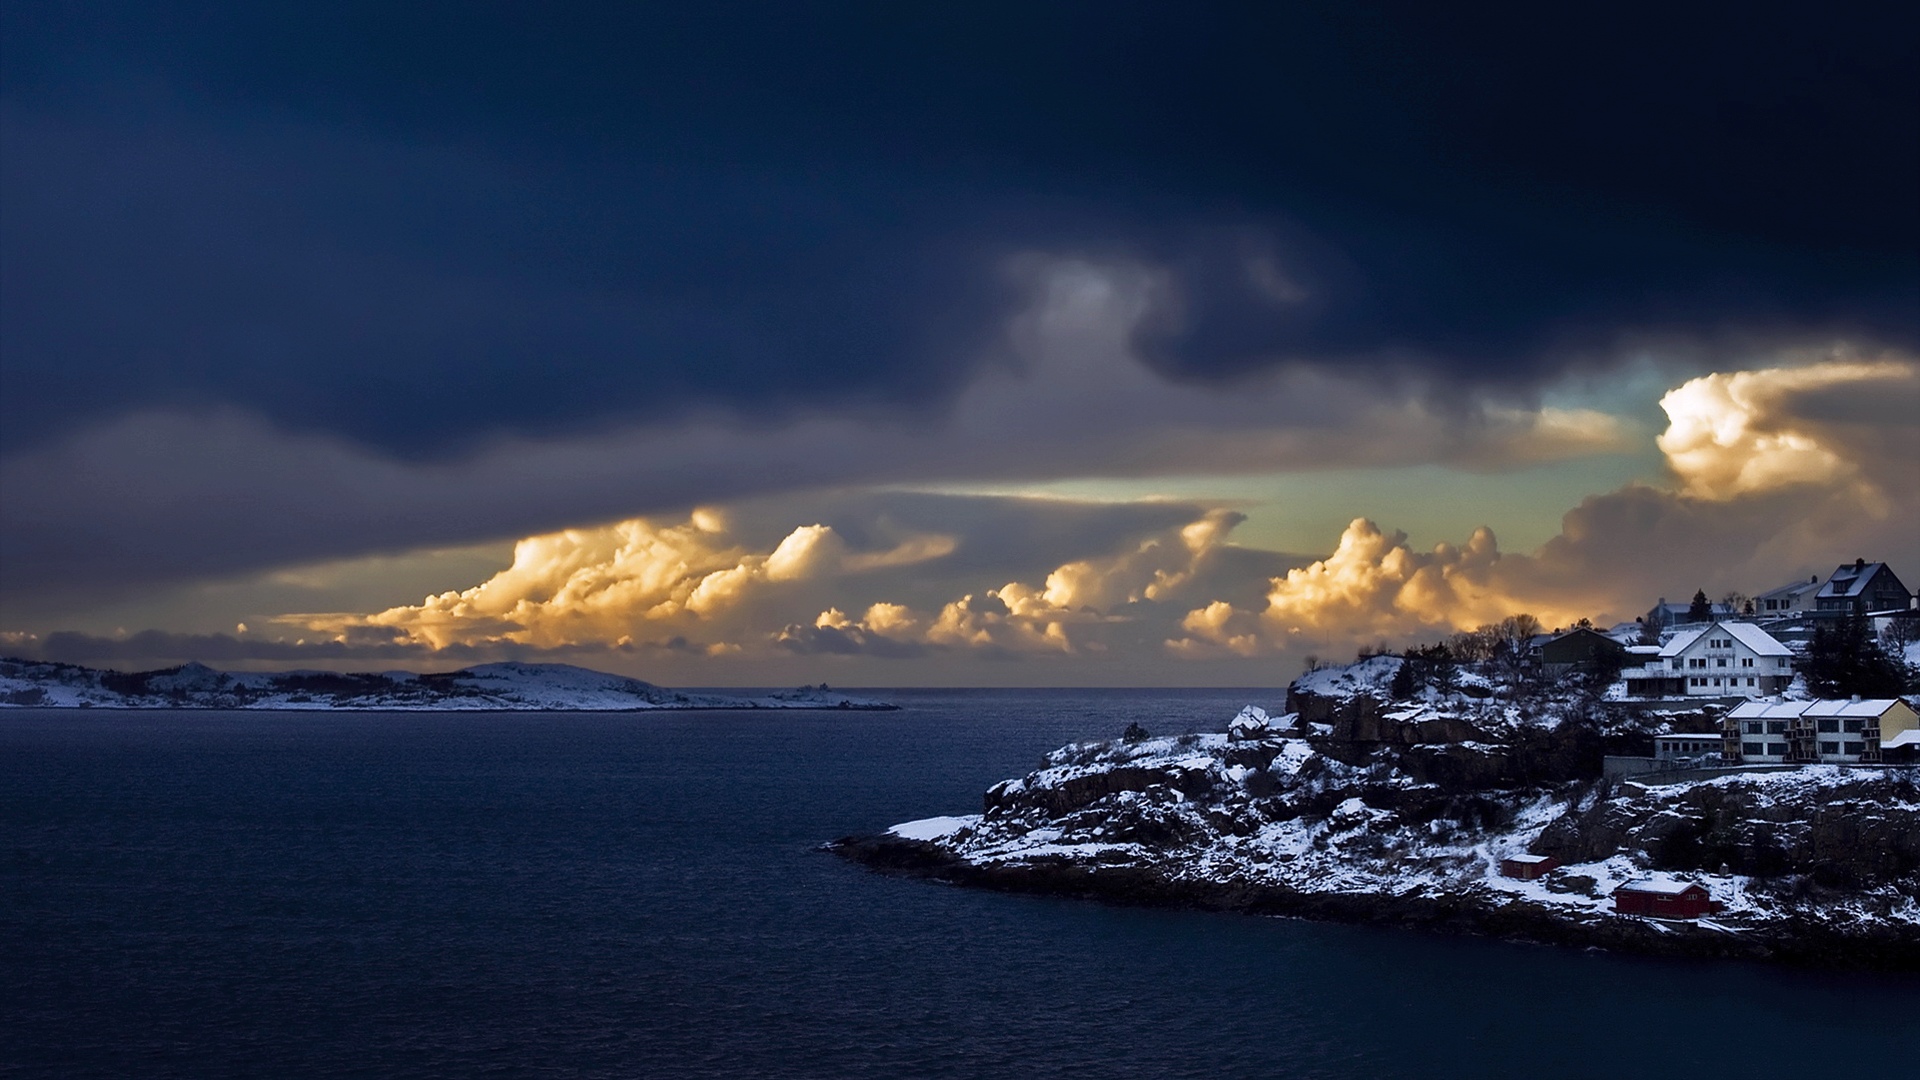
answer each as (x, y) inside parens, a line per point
(1078, 791)
(1858, 833)
(1144, 886)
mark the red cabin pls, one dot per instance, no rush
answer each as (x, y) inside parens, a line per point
(1664, 899)
(1528, 867)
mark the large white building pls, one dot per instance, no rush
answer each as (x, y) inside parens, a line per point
(1808, 731)
(1721, 659)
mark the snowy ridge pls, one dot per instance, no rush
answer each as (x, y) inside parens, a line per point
(486, 687)
(1403, 812)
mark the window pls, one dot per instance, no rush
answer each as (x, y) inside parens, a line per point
(1827, 747)
(1777, 749)
(1749, 680)
(1851, 726)
(1752, 727)
(1856, 747)
(1829, 725)
(1776, 727)
(1746, 661)
(1722, 662)
(1754, 748)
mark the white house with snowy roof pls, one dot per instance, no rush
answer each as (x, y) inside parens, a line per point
(1720, 659)
(1831, 730)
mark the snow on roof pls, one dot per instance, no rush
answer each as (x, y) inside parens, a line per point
(1643, 650)
(1529, 860)
(1755, 639)
(1679, 642)
(1663, 886)
(1905, 738)
(1849, 580)
(1692, 736)
(1789, 710)
(1790, 590)
(1767, 710)
(1868, 707)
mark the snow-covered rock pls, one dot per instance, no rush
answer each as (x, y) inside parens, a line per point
(1820, 864)
(487, 687)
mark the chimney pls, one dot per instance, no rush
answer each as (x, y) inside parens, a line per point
(1859, 564)
(1856, 697)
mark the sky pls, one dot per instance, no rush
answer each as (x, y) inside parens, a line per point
(984, 344)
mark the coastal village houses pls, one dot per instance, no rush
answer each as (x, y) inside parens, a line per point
(1788, 601)
(1721, 659)
(1805, 732)
(1665, 615)
(1862, 588)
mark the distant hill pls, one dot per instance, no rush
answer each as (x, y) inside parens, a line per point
(486, 687)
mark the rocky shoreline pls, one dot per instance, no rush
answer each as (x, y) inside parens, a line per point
(1811, 943)
(1365, 807)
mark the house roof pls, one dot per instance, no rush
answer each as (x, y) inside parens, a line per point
(1678, 643)
(1767, 710)
(1790, 590)
(1868, 708)
(1754, 638)
(1658, 885)
(1905, 738)
(1718, 607)
(1687, 735)
(1529, 860)
(1849, 580)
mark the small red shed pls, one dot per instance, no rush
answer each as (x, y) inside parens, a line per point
(1664, 899)
(1528, 867)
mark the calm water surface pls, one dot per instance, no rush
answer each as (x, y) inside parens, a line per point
(250, 895)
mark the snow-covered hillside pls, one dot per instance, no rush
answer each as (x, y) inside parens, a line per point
(1379, 816)
(487, 687)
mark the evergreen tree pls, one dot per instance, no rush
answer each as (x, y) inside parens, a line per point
(1402, 686)
(1843, 660)
(1700, 610)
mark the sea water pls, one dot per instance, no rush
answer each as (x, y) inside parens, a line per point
(207, 894)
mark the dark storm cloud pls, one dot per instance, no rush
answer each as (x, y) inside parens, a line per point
(416, 225)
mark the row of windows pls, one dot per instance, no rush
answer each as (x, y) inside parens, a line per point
(1827, 746)
(1698, 662)
(1700, 680)
(1828, 725)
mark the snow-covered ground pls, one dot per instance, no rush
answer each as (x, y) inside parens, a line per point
(487, 687)
(1269, 809)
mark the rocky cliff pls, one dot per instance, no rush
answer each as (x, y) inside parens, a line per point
(1362, 808)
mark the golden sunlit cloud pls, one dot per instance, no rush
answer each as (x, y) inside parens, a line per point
(1765, 463)
(1019, 617)
(601, 585)
(1738, 433)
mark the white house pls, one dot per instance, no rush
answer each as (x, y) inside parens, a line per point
(1721, 659)
(1678, 748)
(1829, 730)
(1787, 601)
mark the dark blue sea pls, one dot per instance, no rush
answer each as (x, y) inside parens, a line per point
(194, 894)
